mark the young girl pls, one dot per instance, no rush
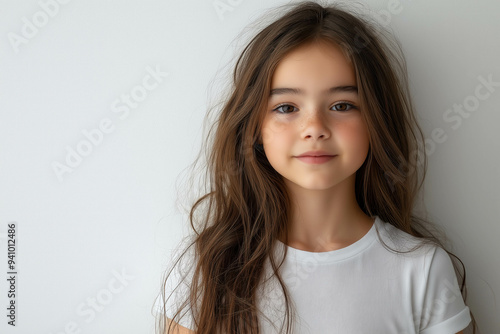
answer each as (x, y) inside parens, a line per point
(309, 223)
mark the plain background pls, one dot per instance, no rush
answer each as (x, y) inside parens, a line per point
(92, 246)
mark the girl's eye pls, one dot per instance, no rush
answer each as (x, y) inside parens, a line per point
(343, 106)
(288, 109)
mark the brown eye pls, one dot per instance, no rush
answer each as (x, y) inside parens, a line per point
(286, 109)
(343, 106)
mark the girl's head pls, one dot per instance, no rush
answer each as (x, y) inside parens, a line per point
(313, 106)
(384, 185)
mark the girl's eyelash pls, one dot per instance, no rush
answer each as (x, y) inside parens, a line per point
(282, 105)
(350, 105)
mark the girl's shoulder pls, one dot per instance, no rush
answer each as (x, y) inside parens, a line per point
(405, 243)
(427, 269)
(425, 261)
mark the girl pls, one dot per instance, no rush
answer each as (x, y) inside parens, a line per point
(309, 223)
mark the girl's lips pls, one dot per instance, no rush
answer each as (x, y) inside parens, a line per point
(316, 153)
(315, 159)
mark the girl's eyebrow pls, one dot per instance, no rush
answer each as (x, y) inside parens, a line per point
(298, 91)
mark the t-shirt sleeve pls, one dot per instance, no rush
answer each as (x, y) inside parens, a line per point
(444, 311)
(176, 292)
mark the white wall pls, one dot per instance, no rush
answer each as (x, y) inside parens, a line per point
(103, 232)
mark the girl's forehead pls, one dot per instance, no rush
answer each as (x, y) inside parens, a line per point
(314, 65)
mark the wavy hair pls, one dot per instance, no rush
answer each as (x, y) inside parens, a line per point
(246, 207)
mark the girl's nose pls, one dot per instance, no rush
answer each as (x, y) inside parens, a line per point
(315, 126)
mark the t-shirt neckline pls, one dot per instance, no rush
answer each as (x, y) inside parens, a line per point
(357, 247)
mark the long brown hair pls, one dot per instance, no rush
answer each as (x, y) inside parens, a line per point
(245, 208)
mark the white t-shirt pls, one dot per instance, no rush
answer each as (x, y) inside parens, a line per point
(362, 288)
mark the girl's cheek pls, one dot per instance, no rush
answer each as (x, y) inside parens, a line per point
(353, 133)
(273, 129)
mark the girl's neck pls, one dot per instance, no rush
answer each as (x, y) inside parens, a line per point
(324, 220)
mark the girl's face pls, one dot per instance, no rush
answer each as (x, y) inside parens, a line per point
(313, 106)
